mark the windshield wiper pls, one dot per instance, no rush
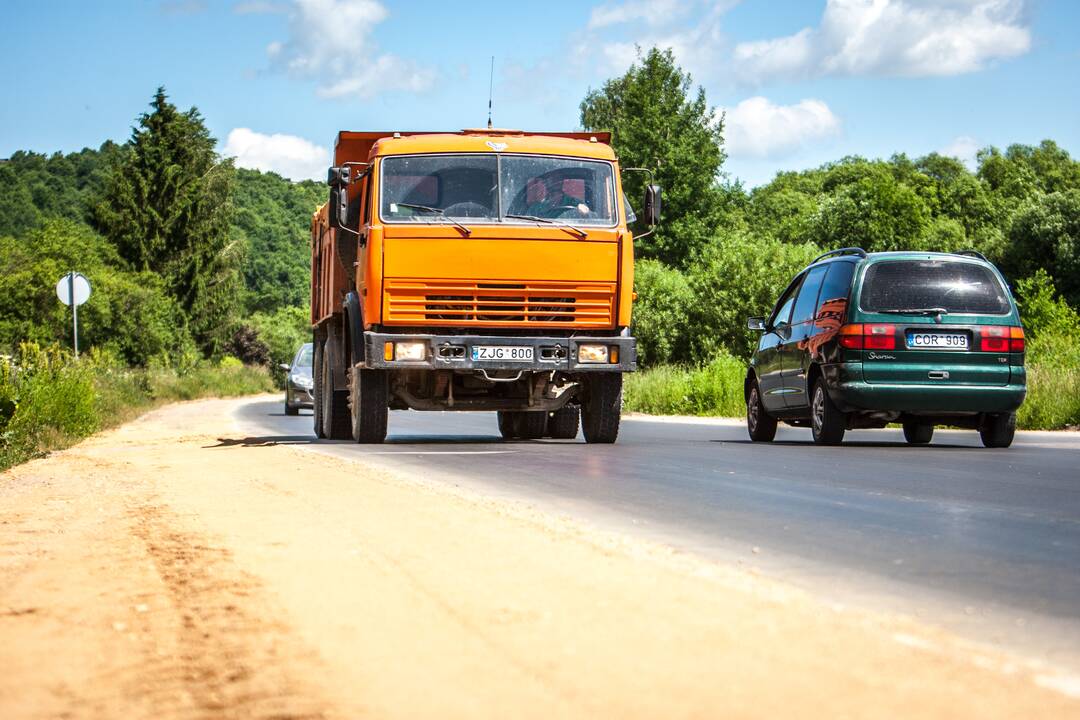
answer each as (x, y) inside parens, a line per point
(917, 311)
(551, 221)
(441, 213)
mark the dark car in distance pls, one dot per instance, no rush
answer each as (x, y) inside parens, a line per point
(860, 340)
(299, 382)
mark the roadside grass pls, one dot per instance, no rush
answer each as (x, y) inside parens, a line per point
(716, 389)
(50, 401)
(713, 389)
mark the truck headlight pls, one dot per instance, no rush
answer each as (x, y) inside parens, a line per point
(592, 353)
(410, 350)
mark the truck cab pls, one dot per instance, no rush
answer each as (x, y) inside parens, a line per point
(487, 270)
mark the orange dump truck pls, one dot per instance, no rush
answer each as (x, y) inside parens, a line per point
(476, 270)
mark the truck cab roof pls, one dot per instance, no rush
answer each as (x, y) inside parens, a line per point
(363, 146)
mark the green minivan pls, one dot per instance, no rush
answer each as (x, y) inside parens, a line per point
(861, 340)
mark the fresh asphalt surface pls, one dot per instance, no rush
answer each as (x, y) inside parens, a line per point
(985, 542)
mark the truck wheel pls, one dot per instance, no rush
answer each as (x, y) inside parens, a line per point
(918, 433)
(759, 423)
(368, 399)
(316, 407)
(998, 431)
(563, 423)
(530, 424)
(336, 424)
(826, 421)
(506, 425)
(601, 408)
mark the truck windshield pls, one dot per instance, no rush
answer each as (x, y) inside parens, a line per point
(497, 187)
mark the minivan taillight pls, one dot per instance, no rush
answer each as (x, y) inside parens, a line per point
(999, 339)
(869, 336)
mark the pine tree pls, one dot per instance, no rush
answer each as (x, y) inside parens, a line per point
(167, 208)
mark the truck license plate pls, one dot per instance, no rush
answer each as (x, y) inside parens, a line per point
(942, 341)
(509, 353)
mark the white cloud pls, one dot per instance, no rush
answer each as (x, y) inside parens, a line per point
(758, 128)
(893, 37)
(964, 149)
(651, 12)
(330, 40)
(287, 155)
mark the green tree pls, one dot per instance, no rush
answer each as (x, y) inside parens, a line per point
(1045, 233)
(167, 208)
(664, 301)
(657, 122)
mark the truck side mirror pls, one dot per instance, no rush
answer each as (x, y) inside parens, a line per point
(755, 323)
(652, 205)
(339, 206)
(338, 176)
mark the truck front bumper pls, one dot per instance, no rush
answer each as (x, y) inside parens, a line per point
(455, 352)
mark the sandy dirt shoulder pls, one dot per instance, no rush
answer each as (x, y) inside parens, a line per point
(171, 569)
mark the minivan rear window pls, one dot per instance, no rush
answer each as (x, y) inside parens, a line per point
(956, 287)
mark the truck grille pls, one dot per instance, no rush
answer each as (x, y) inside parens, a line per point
(526, 304)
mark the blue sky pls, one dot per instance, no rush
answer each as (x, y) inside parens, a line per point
(802, 81)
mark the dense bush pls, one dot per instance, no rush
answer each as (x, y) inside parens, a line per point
(48, 400)
(713, 389)
(661, 313)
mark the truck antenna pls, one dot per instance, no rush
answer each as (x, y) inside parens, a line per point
(491, 84)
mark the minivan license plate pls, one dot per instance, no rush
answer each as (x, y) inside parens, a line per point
(508, 353)
(937, 341)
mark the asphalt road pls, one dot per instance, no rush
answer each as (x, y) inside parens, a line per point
(984, 542)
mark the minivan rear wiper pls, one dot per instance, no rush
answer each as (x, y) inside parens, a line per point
(551, 221)
(916, 311)
(441, 213)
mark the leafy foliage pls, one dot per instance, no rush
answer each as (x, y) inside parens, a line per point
(656, 122)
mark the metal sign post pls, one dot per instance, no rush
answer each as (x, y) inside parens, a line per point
(74, 289)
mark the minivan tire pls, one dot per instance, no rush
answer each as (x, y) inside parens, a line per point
(759, 423)
(827, 422)
(601, 407)
(998, 431)
(918, 433)
(291, 409)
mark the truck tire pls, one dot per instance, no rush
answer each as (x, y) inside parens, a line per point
(601, 408)
(368, 405)
(998, 431)
(316, 372)
(530, 424)
(563, 423)
(827, 422)
(506, 425)
(336, 423)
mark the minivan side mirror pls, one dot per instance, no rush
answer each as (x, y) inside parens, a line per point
(652, 205)
(755, 323)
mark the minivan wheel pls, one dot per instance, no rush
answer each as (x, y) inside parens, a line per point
(918, 433)
(997, 431)
(826, 421)
(760, 425)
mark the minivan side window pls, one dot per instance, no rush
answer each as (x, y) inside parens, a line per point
(808, 295)
(782, 314)
(833, 299)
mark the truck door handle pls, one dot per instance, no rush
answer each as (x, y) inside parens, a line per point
(938, 374)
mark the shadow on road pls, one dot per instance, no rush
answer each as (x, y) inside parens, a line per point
(264, 441)
(853, 444)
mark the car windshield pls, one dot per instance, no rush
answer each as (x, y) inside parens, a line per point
(933, 285)
(496, 188)
(303, 359)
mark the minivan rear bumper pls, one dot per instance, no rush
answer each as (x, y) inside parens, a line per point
(945, 399)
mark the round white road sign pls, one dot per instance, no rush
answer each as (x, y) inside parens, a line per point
(73, 285)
